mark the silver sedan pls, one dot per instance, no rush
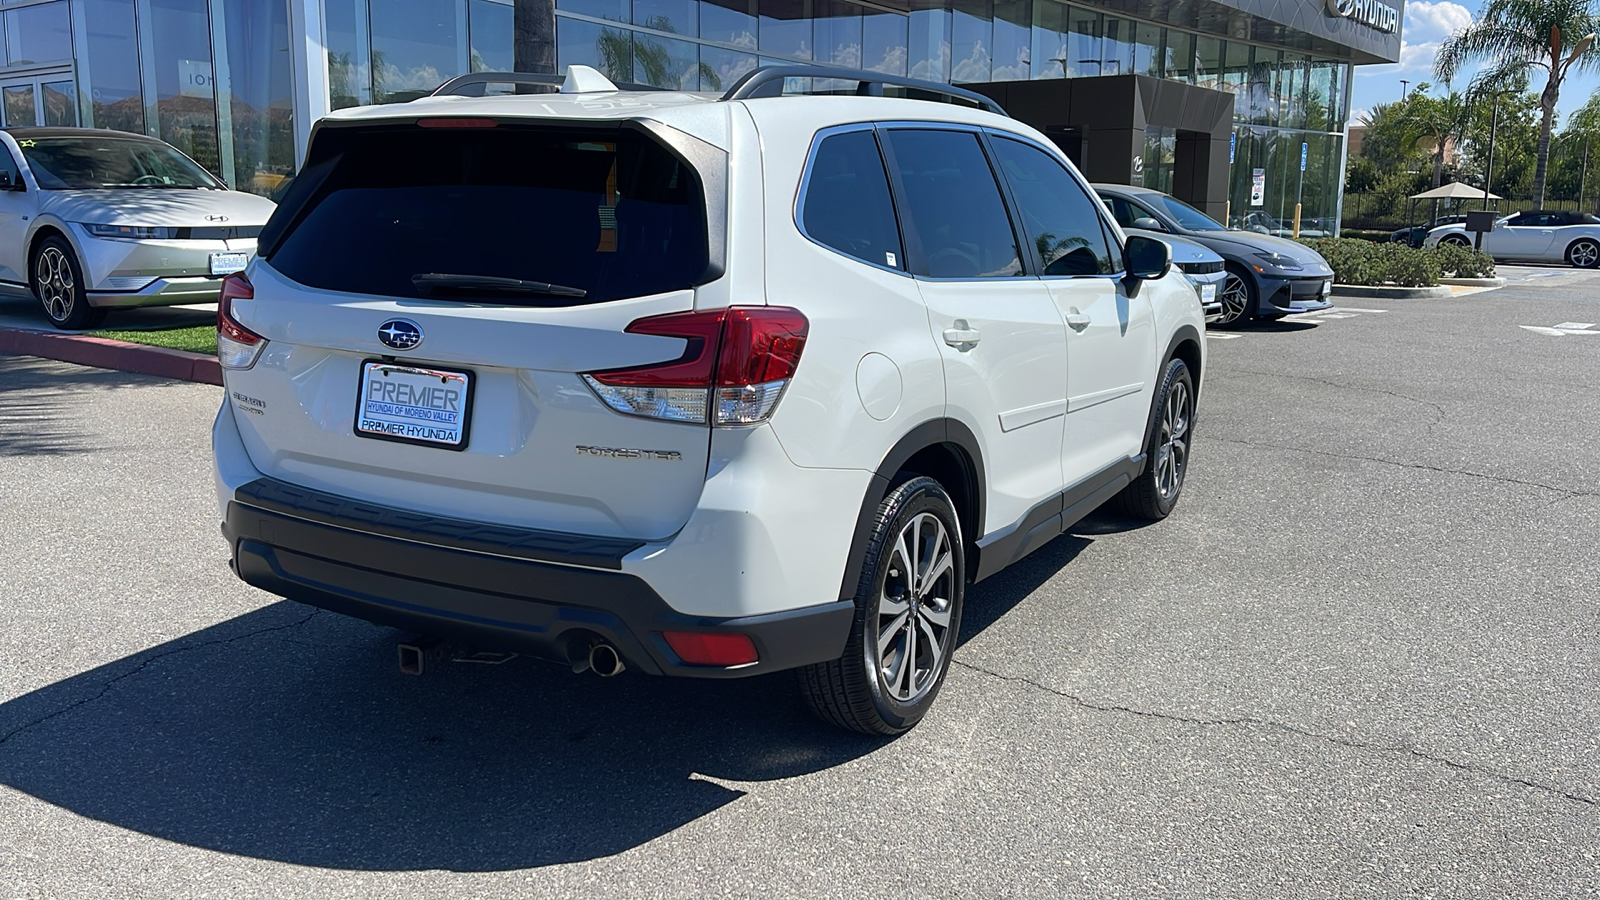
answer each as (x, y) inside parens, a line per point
(91, 220)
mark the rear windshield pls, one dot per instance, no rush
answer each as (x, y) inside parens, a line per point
(597, 216)
(94, 163)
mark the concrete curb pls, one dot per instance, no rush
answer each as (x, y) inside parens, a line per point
(1474, 282)
(102, 353)
(1389, 292)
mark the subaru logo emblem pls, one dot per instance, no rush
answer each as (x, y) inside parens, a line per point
(400, 334)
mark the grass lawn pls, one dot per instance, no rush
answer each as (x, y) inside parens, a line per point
(199, 339)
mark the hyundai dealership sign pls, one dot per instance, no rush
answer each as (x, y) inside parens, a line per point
(1371, 13)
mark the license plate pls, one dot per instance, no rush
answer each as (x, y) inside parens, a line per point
(414, 404)
(229, 262)
(1208, 293)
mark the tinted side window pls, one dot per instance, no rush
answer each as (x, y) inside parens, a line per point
(847, 205)
(9, 165)
(1058, 215)
(1120, 210)
(952, 205)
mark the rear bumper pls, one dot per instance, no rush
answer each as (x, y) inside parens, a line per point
(488, 588)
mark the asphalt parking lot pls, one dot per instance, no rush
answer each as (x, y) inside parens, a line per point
(1361, 660)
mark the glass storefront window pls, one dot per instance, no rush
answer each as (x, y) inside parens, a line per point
(1083, 43)
(37, 34)
(785, 30)
(1179, 56)
(414, 48)
(19, 106)
(1319, 102)
(1259, 87)
(837, 34)
(883, 39)
(1049, 40)
(186, 109)
(490, 27)
(1235, 74)
(1147, 50)
(615, 10)
(1012, 41)
(349, 68)
(115, 96)
(1291, 93)
(60, 103)
(675, 16)
(929, 50)
(667, 63)
(1118, 45)
(584, 43)
(729, 22)
(719, 69)
(1208, 62)
(972, 41)
(260, 94)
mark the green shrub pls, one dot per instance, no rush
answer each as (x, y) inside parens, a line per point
(1364, 262)
(1362, 234)
(1464, 262)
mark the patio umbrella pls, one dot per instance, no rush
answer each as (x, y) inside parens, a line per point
(1455, 190)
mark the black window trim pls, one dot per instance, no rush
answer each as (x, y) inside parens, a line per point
(913, 245)
(1115, 241)
(894, 200)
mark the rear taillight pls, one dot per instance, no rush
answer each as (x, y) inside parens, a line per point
(733, 370)
(701, 648)
(237, 346)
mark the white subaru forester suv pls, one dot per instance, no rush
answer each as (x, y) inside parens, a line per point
(695, 385)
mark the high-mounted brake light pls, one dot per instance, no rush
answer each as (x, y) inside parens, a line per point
(457, 122)
(237, 346)
(734, 368)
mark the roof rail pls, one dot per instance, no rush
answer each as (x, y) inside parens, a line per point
(767, 81)
(476, 84)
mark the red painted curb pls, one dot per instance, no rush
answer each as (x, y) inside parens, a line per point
(108, 354)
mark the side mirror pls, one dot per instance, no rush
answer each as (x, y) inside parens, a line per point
(1147, 258)
(1146, 223)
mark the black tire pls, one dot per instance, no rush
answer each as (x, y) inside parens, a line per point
(57, 282)
(1584, 253)
(1155, 492)
(859, 691)
(1237, 286)
(1455, 240)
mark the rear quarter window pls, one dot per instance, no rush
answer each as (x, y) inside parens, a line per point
(611, 213)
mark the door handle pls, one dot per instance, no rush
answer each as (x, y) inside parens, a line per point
(1078, 321)
(961, 336)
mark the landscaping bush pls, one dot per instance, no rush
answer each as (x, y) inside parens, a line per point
(1360, 234)
(1464, 262)
(1364, 262)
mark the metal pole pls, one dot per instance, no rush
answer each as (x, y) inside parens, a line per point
(1488, 169)
(1583, 174)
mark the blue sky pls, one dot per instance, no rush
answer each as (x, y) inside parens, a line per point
(1428, 23)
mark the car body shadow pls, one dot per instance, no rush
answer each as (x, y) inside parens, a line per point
(289, 734)
(37, 418)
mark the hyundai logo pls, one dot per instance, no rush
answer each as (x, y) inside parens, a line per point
(400, 334)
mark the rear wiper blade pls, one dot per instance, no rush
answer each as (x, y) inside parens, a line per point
(436, 281)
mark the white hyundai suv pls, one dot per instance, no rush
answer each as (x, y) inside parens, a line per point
(694, 385)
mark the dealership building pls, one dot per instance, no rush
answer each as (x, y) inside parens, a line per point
(1238, 106)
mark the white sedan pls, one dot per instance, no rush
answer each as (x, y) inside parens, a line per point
(1534, 236)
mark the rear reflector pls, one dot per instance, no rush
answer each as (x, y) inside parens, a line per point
(456, 122)
(735, 364)
(699, 648)
(237, 346)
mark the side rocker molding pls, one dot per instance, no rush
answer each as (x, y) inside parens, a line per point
(1051, 518)
(929, 434)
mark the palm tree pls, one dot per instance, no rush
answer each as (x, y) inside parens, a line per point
(1513, 36)
(1443, 121)
(534, 35)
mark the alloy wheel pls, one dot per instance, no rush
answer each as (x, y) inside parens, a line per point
(1584, 254)
(53, 278)
(914, 609)
(1172, 448)
(1235, 299)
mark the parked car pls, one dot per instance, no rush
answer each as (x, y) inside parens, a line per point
(1267, 277)
(727, 405)
(1415, 234)
(1203, 267)
(1539, 235)
(92, 220)
(1261, 223)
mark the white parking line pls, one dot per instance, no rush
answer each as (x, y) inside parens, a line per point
(1562, 330)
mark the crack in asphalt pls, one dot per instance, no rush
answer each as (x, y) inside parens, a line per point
(1569, 492)
(144, 664)
(1251, 721)
(1438, 410)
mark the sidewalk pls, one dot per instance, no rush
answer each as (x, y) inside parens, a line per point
(24, 331)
